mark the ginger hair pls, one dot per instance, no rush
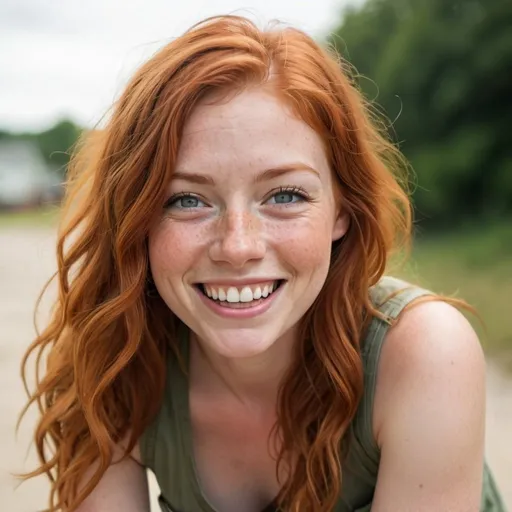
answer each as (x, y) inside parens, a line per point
(107, 339)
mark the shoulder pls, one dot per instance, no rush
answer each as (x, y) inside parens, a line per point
(430, 353)
(122, 450)
(429, 412)
(123, 485)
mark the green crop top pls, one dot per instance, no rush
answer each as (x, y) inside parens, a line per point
(166, 445)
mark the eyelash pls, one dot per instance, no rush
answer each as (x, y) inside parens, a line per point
(294, 189)
(177, 196)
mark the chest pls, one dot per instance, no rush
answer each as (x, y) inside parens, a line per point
(234, 455)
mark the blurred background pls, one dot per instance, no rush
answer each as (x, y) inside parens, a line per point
(439, 70)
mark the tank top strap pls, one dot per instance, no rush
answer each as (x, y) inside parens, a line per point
(390, 296)
(162, 445)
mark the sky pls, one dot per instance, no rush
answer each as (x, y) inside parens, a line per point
(71, 58)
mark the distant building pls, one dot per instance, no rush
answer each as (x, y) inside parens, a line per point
(25, 179)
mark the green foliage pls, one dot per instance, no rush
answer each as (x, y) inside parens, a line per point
(474, 264)
(55, 144)
(440, 70)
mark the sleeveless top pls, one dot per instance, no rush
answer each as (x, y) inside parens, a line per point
(166, 445)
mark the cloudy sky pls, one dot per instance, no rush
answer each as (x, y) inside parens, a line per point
(71, 58)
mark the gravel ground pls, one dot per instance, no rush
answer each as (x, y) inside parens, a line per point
(26, 261)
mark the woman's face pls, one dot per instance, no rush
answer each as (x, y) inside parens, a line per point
(243, 245)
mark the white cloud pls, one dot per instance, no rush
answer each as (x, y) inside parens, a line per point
(72, 57)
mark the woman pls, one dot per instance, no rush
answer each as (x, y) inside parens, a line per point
(223, 318)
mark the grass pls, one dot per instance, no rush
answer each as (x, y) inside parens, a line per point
(34, 217)
(475, 265)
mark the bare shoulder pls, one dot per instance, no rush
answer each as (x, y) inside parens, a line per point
(120, 449)
(428, 320)
(136, 455)
(429, 412)
(431, 348)
(123, 486)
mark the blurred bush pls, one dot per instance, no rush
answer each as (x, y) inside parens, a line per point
(441, 71)
(55, 143)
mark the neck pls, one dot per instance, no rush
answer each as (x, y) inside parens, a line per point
(250, 380)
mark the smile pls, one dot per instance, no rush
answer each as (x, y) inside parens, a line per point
(255, 297)
(234, 294)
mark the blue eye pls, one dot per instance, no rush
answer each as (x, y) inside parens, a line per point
(184, 202)
(287, 197)
(284, 198)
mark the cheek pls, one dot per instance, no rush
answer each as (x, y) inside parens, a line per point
(305, 244)
(172, 248)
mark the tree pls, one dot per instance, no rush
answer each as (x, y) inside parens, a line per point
(55, 144)
(440, 70)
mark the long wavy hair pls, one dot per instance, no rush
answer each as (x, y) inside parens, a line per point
(107, 339)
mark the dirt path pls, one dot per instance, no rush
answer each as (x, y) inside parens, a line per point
(26, 260)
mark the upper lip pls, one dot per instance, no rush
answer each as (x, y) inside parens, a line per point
(239, 282)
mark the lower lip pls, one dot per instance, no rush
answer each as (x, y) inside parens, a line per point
(249, 312)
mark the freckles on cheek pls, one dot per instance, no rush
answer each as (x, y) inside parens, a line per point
(159, 254)
(306, 245)
(174, 247)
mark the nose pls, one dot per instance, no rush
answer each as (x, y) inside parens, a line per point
(240, 239)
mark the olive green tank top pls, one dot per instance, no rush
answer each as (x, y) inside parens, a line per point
(166, 445)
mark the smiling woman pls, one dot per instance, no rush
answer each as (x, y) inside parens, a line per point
(262, 214)
(223, 316)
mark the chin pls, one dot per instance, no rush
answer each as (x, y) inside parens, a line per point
(240, 343)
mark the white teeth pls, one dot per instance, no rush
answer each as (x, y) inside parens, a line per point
(233, 295)
(246, 294)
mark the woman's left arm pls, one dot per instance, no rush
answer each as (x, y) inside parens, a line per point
(429, 413)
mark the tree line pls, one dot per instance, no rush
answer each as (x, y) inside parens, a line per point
(55, 143)
(441, 73)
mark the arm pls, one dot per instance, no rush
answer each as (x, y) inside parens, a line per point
(429, 413)
(123, 488)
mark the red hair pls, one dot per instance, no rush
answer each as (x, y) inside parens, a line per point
(108, 338)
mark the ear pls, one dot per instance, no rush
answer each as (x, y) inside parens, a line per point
(341, 226)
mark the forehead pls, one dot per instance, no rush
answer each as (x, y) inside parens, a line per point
(250, 126)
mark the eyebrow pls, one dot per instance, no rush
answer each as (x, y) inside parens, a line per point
(192, 177)
(267, 174)
(275, 172)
